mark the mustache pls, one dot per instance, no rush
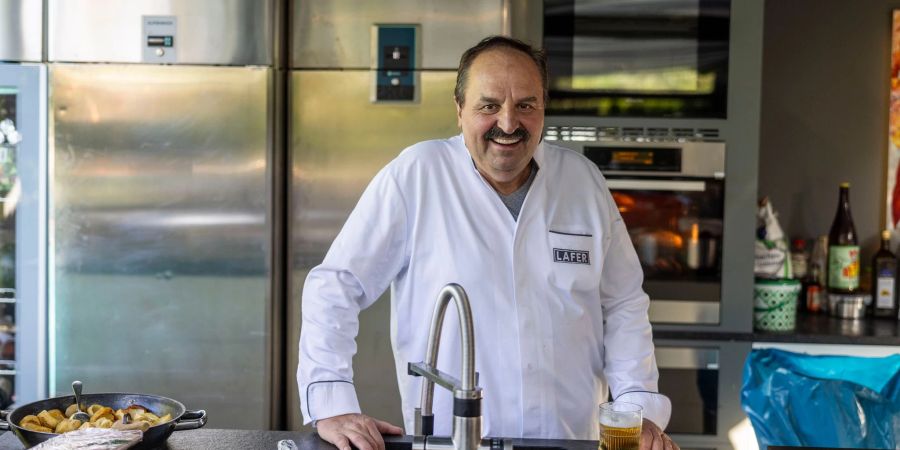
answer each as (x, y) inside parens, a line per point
(496, 132)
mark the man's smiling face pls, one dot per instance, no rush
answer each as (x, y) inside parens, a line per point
(502, 117)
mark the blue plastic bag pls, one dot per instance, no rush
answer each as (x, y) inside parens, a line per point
(826, 401)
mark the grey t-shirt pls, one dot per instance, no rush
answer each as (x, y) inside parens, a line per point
(515, 200)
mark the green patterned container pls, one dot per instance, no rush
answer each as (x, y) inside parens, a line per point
(775, 304)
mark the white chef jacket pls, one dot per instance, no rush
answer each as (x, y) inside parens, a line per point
(559, 312)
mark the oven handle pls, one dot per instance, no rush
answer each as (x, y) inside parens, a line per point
(656, 185)
(687, 358)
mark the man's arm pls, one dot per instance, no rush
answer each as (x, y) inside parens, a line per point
(630, 364)
(365, 257)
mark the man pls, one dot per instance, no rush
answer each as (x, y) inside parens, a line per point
(531, 232)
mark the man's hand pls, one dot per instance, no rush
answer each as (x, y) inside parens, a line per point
(652, 438)
(362, 431)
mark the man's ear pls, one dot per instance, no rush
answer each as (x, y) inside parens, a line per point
(458, 113)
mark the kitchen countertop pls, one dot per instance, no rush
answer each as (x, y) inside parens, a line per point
(212, 439)
(810, 329)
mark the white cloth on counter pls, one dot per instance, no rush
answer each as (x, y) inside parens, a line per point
(559, 312)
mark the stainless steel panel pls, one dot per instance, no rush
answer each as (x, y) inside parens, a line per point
(337, 33)
(698, 159)
(338, 142)
(731, 357)
(656, 185)
(161, 234)
(684, 312)
(21, 30)
(525, 21)
(228, 32)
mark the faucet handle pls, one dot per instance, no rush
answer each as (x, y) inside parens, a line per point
(438, 377)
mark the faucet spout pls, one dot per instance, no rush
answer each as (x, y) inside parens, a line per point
(466, 395)
(458, 295)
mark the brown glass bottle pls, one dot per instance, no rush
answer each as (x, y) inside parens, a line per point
(884, 280)
(843, 248)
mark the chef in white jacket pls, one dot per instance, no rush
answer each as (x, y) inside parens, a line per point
(532, 234)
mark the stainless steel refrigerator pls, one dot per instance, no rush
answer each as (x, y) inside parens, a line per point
(161, 142)
(23, 204)
(367, 80)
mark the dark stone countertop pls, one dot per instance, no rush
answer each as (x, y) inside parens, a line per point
(212, 439)
(810, 329)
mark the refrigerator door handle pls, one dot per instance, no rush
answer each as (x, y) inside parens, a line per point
(656, 185)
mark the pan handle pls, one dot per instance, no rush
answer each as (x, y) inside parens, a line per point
(4, 415)
(191, 420)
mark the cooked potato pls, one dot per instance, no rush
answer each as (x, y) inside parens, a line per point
(60, 422)
(103, 423)
(67, 425)
(72, 409)
(38, 428)
(103, 413)
(48, 420)
(30, 419)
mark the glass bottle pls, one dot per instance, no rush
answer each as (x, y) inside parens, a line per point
(884, 279)
(814, 287)
(843, 248)
(799, 258)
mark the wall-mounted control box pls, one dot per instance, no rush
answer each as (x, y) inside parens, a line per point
(395, 49)
(158, 39)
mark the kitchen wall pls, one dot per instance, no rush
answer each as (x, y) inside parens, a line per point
(824, 113)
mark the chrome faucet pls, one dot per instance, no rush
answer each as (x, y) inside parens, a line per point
(466, 395)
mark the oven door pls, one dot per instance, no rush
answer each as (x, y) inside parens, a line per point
(676, 226)
(703, 381)
(638, 58)
(689, 376)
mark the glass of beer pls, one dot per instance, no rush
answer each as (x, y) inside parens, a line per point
(620, 426)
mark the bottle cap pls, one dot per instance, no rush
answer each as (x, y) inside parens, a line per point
(845, 184)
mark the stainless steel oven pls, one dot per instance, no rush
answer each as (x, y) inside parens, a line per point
(703, 381)
(689, 376)
(670, 191)
(619, 58)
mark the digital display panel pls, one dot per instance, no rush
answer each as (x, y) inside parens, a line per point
(642, 157)
(635, 159)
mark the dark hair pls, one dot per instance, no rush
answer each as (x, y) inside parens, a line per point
(491, 42)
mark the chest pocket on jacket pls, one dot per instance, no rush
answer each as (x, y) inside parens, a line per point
(573, 259)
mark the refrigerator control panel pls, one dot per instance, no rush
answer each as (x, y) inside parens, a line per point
(395, 75)
(158, 43)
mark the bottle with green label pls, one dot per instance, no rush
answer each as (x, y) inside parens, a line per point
(843, 248)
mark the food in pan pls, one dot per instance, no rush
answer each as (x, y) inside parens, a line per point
(134, 417)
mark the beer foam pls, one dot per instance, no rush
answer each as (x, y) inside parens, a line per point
(620, 421)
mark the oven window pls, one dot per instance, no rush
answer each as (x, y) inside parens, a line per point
(666, 58)
(675, 226)
(694, 396)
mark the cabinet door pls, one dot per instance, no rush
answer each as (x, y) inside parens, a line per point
(161, 235)
(23, 233)
(339, 140)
